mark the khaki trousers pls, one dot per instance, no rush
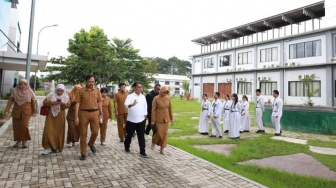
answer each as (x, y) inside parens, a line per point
(86, 118)
(121, 121)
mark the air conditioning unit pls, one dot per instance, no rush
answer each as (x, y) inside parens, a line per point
(259, 78)
(303, 76)
(237, 79)
(264, 78)
(228, 70)
(265, 66)
(242, 79)
(240, 69)
(333, 60)
(293, 64)
(287, 64)
(300, 76)
(228, 80)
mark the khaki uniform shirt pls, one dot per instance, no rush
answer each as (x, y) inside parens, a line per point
(119, 100)
(88, 98)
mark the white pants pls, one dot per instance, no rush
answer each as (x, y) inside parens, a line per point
(259, 114)
(276, 124)
(215, 123)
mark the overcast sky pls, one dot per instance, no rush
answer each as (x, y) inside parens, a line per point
(159, 28)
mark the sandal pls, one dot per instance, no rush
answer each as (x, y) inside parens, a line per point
(17, 144)
(46, 152)
(24, 144)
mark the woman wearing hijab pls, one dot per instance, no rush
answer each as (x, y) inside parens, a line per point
(54, 129)
(107, 114)
(73, 130)
(24, 107)
(161, 116)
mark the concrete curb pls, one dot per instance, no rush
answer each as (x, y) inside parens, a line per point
(218, 167)
(4, 128)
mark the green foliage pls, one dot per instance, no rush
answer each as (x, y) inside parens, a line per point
(2, 113)
(110, 61)
(185, 86)
(307, 82)
(173, 66)
(32, 80)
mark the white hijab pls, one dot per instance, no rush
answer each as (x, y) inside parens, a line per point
(56, 108)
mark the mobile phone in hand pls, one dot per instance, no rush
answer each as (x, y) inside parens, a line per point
(58, 100)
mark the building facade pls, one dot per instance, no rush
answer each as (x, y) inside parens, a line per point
(272, 53)
(174, 82)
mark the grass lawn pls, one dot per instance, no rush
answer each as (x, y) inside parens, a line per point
(251, 147)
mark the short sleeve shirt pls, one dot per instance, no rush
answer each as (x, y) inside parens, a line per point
(119, 100)
(88, 98)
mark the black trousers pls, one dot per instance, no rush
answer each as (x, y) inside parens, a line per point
(140, 130)
(149, 126)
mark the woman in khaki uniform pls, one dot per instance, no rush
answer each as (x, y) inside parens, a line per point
(54, 129)
(161, 116)
(73, 130)
(24, 108)
(107, 114)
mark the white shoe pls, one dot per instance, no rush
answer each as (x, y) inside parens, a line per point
(46, 152)
(69, 145)
(103, 143)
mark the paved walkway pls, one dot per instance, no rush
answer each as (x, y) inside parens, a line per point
(110, 167)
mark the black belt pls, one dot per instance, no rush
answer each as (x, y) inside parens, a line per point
(226, 109)
(234, 111)
(275, 111)
(89, 110)
(205, 109)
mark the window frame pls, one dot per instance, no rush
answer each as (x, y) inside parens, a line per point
(264, 90)
(221, 59)
(245, 89)
(245, 55)
(316, 49)
(266, 54)
(303, 89)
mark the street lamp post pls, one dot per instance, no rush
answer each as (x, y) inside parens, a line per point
(38, 40)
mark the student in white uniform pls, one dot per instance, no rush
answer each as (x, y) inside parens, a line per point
(260, 109)
(235, 117)
(277, 112)
(216, 116)
(226, 113)
(203, 126)
(245, 116)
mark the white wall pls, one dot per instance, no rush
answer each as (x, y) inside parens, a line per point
(330, 12)
(268, 64)
(223, 78)
(293, 75)
(196, 88)
(198, 63)
(209, 79)
(307, 60)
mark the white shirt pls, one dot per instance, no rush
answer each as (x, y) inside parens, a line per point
(277, 107)
(260, 103)
(217, 108)
(137, 113)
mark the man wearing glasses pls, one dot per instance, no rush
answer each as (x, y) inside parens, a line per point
(149, 98)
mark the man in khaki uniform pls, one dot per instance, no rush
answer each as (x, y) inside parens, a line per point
(120, 110)
(88, 109)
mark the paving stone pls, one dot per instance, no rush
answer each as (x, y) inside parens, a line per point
(323, 150)
(291, 140)
(110, 167)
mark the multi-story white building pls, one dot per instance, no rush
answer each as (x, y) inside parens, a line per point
(272, 53)
(174, 82)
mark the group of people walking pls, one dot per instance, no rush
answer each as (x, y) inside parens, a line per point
(236, 118)
(90, 106)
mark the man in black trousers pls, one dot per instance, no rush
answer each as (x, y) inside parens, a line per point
(149, 98)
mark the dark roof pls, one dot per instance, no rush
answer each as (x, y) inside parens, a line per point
(308, 12)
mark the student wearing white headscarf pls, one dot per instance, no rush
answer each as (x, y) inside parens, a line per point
(24, 107)
(54, 129)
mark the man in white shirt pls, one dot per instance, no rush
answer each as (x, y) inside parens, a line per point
(216, 115)
(260, 109)
(277, 112)
(136, 118)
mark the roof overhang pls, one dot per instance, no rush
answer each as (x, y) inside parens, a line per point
(295, 16)
(18, 61)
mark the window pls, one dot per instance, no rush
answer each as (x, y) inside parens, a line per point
(297, 89)
(177, 83)
(244, 88)
(177, 90)
(166, 82)
(209, 63)
(225, 60)
(269, 54)
(267, 88)
(156, 82)
(244, 58)
(305, 49)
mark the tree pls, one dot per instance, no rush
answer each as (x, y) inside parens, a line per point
(185, 86)
(32, 80)
(307, 81)
(174, 66)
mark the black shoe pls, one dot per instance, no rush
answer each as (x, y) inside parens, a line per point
(277, 134)
(259, 131)
(206, 133)
(240, 131)
(211, 136)
(202, 133)
(220, 137)
(263, 131)
(127, 150)
(56, 151)
(246, 131)
(144, 155)
(93, 149)
(82, 157)
(226, 131)
(280, 131)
